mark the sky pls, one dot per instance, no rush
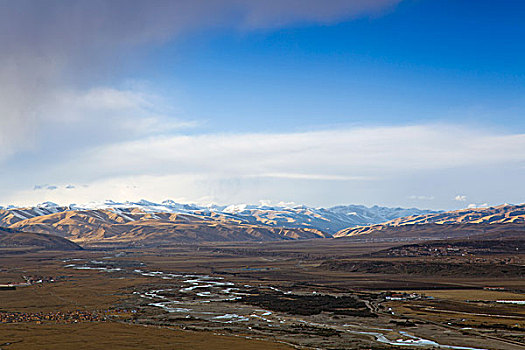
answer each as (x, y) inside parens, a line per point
(411, 103)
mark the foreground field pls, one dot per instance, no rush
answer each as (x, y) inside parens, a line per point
(112, 335)
(328, 295)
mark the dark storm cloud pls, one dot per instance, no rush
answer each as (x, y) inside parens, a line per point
(66, 26)
(51, 45)
(48, 45)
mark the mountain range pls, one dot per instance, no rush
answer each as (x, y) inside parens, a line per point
(329, 220)
(148, 223)
(495, 222)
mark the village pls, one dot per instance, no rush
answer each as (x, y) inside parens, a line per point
(29, 281)
(57, 317)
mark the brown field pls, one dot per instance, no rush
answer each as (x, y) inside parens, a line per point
(258, 295)
(113, 335)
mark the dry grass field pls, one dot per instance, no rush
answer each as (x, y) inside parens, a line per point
(254, 295)
(113, 335)
(92, 292)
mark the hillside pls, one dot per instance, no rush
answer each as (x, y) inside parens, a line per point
(329, 220)
(494, 222)
(146, 223)
(138, 228)
(10, 238)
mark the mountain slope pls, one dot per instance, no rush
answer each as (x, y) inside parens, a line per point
(492, 222)
(138, 228)
(14, 215)
(329, 220)
(10, 238)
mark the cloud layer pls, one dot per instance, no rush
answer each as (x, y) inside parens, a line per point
(69, 122)
(361, 153)
(50, 48)
(233, 167)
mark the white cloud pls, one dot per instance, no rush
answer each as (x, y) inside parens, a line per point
(156, 188)
(130, 110)
(56, 46)
(351, 154)
(297, 166)
(474, 206)
(74, 120)
(421, 197)
(460, 198)
(299, 176)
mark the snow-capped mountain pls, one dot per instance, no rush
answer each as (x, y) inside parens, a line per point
(328, 220)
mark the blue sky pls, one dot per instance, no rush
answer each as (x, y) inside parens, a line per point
(400, 103)
(422, 61)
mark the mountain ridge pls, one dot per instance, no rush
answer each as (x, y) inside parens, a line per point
(147, 223)
(329, 220)
(471, 220)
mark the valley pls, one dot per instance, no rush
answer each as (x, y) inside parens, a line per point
(265, 174)
(230, 284)
(288, 293)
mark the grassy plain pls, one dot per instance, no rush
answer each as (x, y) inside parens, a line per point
(451, 310)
